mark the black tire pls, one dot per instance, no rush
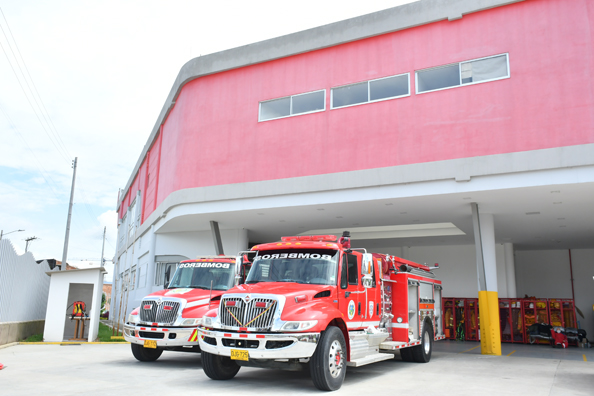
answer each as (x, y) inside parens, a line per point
(218, 367)
(407, 355)
(422, 353)
(328, 363)
(145, 354)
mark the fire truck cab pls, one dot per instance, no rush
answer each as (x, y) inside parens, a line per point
(168, 319)
(312, 302)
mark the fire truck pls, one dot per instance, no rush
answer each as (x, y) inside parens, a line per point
(168, 319)
(314, 303)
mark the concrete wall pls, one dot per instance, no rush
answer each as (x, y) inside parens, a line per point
(18, 331)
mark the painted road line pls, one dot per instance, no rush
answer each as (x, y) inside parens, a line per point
(585, 360)
(468, 350)
(511, 353)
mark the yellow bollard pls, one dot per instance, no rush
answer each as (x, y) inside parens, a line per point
(490, 330)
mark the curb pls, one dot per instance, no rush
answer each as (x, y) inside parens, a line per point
(8, 345)
(71, 343)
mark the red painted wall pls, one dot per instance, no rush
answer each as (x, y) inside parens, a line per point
(213, 137)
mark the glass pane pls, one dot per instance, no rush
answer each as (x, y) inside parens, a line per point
(484, 69)
(308, 102)
(441, 77)
(349, 95)
(275, 108)
(388, 87)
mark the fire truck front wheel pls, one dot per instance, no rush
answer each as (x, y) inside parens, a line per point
(328, 363)
(145, 354)
(422, 353)
(218, 367)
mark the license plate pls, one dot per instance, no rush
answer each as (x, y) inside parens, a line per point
(236, 354)
(150, 344)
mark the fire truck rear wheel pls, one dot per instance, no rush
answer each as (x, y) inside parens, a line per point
(407, 355)
(328, 363)
(145, 354)
(218, 367)
(422, 353)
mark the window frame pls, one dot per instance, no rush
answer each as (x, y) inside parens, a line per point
(290, 105)
(407, 74)
(461, 84)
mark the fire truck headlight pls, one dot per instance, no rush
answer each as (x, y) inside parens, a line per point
(191, 322)
(299, 326)
(133, 318)
(207, 321)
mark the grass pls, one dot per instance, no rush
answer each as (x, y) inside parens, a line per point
(34, 338)
(105, 334)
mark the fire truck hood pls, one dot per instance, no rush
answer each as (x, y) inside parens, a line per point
(188, 294)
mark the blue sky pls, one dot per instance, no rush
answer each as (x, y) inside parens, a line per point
(88, 80)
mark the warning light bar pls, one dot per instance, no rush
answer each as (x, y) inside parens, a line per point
(313, 238)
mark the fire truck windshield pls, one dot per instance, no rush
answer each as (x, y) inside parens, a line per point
(315, 266)
(200, 275)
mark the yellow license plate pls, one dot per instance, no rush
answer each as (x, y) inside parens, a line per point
(150, 344)
(236, 354)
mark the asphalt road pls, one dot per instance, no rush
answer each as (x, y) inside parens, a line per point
(454, 370)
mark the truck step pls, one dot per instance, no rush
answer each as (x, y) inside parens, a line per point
(378, 357)
(392, 345)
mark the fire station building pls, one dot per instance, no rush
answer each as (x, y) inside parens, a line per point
(457, 132)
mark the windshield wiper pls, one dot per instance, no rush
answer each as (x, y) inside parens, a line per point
(199, 287)
(290, 280)
(253, 281)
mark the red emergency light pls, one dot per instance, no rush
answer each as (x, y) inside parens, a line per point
(313, 238)
(261, 304)
(230, 303)
(147, 307)
(167, 307)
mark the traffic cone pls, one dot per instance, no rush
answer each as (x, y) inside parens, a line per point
(2, 366)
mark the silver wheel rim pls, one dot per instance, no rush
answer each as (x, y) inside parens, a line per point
(336, 359)
(427, 343)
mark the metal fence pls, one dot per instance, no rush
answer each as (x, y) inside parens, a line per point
(24, 285)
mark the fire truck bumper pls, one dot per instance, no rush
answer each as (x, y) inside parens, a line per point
(164, 336)
(259, 346)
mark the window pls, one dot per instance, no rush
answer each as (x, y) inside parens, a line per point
(463, 73)
(353, 270)
(344, 273)
(164, 272)
(142, 276)
(293, 105)
(371, 91)
(133, 278)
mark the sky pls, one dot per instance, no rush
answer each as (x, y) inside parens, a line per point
(88, 80)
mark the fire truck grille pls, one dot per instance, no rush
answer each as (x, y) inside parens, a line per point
(257, 313)
(166, 312)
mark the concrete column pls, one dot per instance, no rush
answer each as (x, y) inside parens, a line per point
(486, 262)
(405, 254)
(510, 270)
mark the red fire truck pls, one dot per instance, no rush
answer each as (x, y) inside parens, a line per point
(312, 302)
(168, 319)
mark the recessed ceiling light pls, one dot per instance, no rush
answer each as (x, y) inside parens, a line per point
(389, 204)
(355, 223)
(339, 217)
(282, 221)
(416, 221)
(560, 218)
(557, 203)
(562, 226)
(320, 209)
(467, 198)
(532, 213)
(403, 212)
(555, 192)
(261, 214)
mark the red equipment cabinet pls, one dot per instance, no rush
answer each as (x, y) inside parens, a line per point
(449, 318)
(562, 313)
(472, 323)
(511, 320)
(535, 311)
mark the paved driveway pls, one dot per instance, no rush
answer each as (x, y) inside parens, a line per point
(49, 370)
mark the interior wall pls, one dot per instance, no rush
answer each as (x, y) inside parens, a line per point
(546, 274)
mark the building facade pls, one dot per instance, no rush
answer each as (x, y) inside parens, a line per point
(419, 128)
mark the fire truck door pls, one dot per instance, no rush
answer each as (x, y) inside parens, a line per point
(351, 290)
(372, 298)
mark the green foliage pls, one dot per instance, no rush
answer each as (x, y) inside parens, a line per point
(105, 334)
(34, 338)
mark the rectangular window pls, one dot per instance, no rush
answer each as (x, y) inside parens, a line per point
(133, 278)
(353, 270)
(164, 272)
(463, 73)
(371, 91)
(310, 102)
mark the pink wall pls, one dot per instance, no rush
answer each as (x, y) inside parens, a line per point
(213, 137)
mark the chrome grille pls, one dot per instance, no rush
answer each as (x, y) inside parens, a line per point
(157, 313)
(249, 314)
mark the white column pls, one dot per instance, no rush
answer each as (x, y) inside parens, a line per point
(510, 270)
(484, 240)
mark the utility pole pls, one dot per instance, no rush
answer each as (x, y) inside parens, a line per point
(29, 240)
(103, 247)
(65, 253)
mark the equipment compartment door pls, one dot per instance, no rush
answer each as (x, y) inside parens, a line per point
(413, 308)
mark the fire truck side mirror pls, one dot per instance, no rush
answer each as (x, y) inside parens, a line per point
(367, 270)
(238, 264)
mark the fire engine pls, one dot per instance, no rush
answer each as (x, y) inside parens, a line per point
(168, 319)
(313, 303)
